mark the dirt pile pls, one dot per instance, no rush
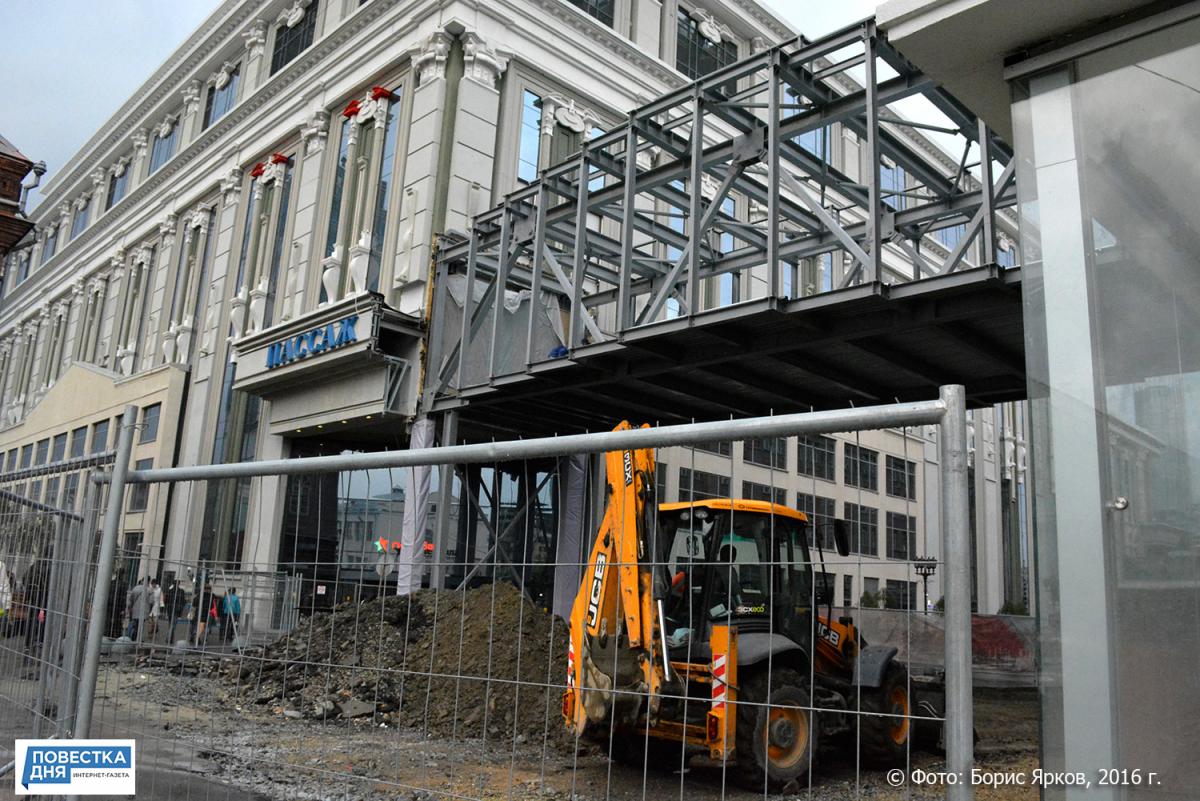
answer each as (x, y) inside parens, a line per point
(484, 663)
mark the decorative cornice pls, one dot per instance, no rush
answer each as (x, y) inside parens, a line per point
(119, 166)
(166, 228)
(271, 90)
(191, 97)
(220, 78)
(710, 27)
(429, 61)
(315, 131)
(293, 15)
(482, 63)
(98, 178)
(255, 38)
(164, 128)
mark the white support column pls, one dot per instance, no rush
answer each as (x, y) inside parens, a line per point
(141, 142)
(420, 177)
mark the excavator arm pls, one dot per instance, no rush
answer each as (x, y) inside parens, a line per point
(615, 655)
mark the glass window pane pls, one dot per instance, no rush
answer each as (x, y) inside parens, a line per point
(531, 136)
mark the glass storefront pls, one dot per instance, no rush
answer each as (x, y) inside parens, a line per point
(1110, 230)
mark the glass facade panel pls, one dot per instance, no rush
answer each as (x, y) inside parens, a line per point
(816, 456)
(531, 137)
(163, 148)
(602, 10)
(292, 41)
(219, 101)
(1109, 235)
(697, 55)
(117, 184)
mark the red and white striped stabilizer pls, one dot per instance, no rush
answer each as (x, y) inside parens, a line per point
(570, 663)
(719, 687)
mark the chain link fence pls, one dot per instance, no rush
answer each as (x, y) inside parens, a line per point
(476, 658)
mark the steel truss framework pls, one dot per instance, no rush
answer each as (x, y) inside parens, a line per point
(674, 256)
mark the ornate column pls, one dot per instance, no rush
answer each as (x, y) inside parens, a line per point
(99, 193)
(156, 293)
(191, 122)
(141, 140)
(255, 38)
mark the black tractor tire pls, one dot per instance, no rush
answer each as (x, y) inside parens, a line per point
(776, 730)
(887, 728)
(634, 749)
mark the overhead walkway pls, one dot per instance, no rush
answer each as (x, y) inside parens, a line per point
(806, 272)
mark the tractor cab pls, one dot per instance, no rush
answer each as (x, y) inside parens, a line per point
(735, 562)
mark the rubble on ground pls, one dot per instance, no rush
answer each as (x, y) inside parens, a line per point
(484, 663)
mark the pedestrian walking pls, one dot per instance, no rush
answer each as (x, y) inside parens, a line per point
(179, 607)
(156, 606)
(231, 613)
(137, 609)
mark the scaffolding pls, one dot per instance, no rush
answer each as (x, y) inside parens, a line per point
(685, 235)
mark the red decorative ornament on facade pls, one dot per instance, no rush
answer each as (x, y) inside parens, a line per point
(279, 158)
(351, 109)
(381, 93)
(258, 170)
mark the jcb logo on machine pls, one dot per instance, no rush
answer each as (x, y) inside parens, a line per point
(594, 595)
(828, 634)
(628, 468)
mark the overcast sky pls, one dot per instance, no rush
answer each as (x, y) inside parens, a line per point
(67, 65)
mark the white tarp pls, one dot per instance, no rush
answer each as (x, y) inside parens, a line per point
(416, 512)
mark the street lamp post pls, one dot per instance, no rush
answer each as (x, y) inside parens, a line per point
(925, 566)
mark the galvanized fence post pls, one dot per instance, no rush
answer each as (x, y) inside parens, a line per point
(52, 626)
(70, 683)
(104, 568)
(956, 553)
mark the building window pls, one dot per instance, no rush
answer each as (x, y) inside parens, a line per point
(820, 513)
(118, 182)
(754, 491)
(22, 267)
(219, 101)
(864, 529)
(42, 454)
(697, 55)
(78, 442)
(603, 10)
(892, 185)
(950, 236)
(50, 244)
(139, 494)
(901, 536)
(719, 448)
(100, 437)
(363, 181)
(10, 463)
(900, 594)
(861, 467)
(695, 485)
(26, 456)
(79, 220)
(164, 146)
(150, 423)
(531, 137)
(766, 451)
(58, 451)
(847, 591)
(901, 478)
(70, 489)
(816, 455)
(292, 41)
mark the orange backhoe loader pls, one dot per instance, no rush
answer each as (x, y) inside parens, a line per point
(696, 628)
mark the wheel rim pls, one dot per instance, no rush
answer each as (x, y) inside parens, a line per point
(899, 707)
(786, 735)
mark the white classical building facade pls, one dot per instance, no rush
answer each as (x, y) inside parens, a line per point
(278, 185)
